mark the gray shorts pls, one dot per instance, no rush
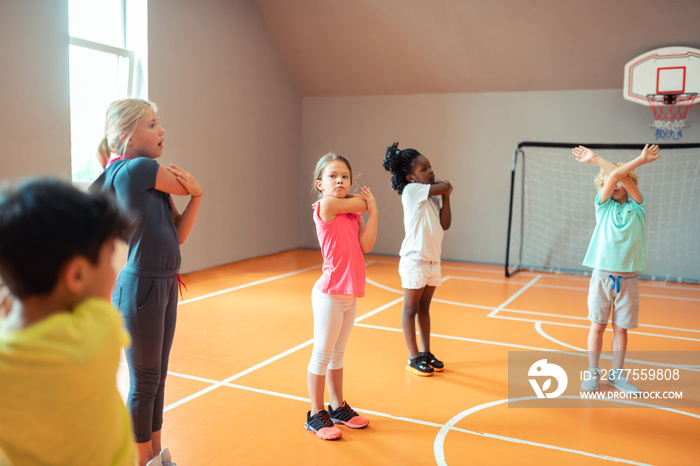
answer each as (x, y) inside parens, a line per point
(616, 289)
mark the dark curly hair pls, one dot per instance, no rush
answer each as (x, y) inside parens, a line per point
(46, 222)
(400, 164)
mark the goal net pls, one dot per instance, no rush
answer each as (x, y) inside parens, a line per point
(552, 212)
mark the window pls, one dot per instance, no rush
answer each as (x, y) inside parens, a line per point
(108, 58)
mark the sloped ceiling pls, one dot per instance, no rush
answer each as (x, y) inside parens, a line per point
(388, 47)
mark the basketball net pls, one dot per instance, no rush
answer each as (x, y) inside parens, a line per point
(669, 113)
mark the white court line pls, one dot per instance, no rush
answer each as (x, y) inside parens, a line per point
(247, 285)
(443, 428)
(383, 287)
(572, 288)
(540, 330)
(236, 376)
(439, 449)
(515, 311)
(518, 293)
(538, 327)
(268, 361)
(450, 337)
(563, 324)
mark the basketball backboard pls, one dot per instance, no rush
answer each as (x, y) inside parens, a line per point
(668, 70)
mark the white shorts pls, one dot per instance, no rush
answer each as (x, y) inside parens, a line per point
(417, 274)
(607, 288)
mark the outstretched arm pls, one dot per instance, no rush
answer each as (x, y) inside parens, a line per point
(648, 155)
(586, 155)
(368, 232)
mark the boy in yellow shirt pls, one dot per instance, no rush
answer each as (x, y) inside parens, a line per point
(60, 342)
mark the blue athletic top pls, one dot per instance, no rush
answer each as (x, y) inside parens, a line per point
(153, 240)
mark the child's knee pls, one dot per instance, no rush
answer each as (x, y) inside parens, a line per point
(410, 310)
(598, 328)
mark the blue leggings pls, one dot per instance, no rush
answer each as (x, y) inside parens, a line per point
(149, 308)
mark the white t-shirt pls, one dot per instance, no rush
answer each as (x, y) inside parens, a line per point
(421, 222)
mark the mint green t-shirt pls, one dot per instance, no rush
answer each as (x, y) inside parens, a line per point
(618, 243)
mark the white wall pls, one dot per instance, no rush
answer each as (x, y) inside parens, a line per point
(469, 139)
(233, 118)
(34, 89)
(236, 120)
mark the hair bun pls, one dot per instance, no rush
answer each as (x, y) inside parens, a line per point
(391, 159)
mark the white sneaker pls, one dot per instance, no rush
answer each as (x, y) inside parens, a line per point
(591, 380)
(618, 379)
(155, 462)
(166, 458)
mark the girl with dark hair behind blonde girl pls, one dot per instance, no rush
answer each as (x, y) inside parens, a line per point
(427, 213)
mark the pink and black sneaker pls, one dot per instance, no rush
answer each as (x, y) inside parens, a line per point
(321, 424)
(347, 416)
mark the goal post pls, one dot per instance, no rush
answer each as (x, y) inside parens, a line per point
(552, 214)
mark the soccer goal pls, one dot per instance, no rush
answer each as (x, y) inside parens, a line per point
(552, 213)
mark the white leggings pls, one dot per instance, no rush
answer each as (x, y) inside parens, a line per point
(334, 316)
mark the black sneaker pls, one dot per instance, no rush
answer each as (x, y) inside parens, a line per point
(347, 416)
(433, 362)
(321, 424)
(419, 366)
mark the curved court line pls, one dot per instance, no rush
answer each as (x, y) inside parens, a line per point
(439, 444)
(383, 287)
(450, 337)
(562, 324)
(538, 327)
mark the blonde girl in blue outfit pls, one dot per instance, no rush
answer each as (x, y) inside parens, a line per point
(616, 253)
(343, 237)
(427, 214)
(146, 290)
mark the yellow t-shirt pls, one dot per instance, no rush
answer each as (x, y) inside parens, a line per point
(59, 403)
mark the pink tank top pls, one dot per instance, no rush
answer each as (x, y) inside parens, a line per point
(343, 262)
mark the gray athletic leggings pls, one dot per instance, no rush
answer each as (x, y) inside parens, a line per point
(147, 300)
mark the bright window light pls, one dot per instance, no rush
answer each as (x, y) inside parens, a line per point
(108, 57)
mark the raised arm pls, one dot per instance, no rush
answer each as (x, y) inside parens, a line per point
(648, 155)
(446, 211)
(586, 155)
(368, 232)
(184, 222)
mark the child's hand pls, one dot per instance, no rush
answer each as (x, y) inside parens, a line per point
(448, 184)
(650, 153)
(186, 180)
(583, 154)
(369, 200)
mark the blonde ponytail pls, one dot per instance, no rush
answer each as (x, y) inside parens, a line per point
(120, 123)
(103, 152)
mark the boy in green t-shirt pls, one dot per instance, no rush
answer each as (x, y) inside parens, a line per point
(616, 253)
(60, 341)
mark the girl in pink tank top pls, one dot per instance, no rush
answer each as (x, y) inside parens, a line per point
(344, 237)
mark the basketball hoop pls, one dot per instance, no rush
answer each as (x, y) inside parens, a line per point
(669, 113)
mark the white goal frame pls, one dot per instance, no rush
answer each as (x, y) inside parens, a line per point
(551, 214)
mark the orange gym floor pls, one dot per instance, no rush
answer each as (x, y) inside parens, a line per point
(236, 391)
